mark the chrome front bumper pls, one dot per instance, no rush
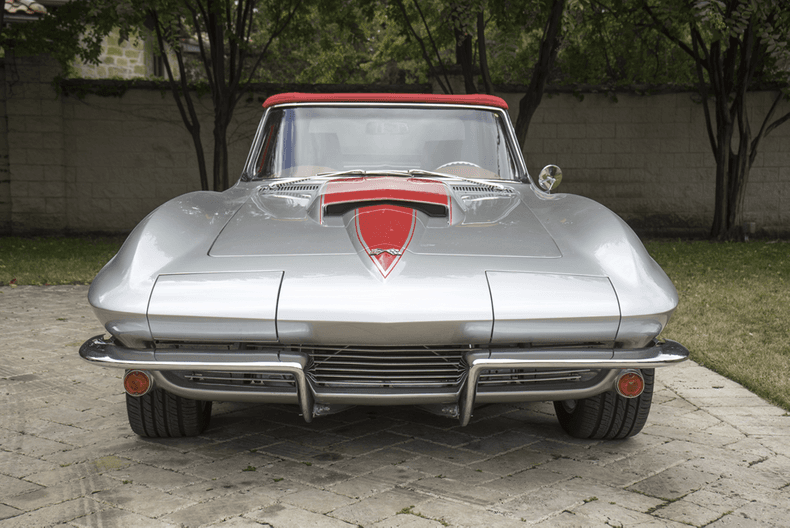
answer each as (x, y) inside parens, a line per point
(106, 353)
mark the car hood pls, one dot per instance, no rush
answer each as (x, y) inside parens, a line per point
(392, 215)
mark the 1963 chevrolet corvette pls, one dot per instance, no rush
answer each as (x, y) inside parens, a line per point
(385, 249)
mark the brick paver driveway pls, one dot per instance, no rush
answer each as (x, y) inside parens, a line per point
(712, 454)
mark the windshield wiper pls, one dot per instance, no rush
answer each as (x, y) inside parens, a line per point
(353, 172)
(420, 172)
(414, 173)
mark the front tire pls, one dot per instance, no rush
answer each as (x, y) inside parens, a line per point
(160, 414)
(608, 415)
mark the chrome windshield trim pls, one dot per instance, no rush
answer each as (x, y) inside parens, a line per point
(249, 174)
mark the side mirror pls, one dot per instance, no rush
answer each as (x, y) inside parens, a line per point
(550, 177)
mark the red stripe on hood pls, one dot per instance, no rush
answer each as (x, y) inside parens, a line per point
(383, 188)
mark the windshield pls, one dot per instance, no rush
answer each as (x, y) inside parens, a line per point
(307, 140)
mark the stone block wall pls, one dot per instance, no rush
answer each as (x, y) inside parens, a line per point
(127, 156)
(133, 58)
(5, 175)
(648, 158)
(120, 59)
(35, 144)
(101, 164)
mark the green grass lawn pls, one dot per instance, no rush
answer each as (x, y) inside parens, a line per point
(734, 312)
(54, 260)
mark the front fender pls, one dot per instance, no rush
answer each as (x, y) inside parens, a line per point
(183, 227)
(583, 228)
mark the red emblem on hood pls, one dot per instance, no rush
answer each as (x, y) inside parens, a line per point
(385, 232)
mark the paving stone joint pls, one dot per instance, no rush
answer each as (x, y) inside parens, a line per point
(712, 454)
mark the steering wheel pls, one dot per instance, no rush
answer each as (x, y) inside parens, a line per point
(467, 163)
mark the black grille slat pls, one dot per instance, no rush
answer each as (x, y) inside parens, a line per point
(376, 375)
(531, 377)
(238, 379)
(392, 372)
(409, 367)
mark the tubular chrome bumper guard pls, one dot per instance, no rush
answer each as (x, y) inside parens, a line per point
(106, 353)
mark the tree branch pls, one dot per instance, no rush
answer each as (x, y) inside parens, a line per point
(703, 87)
(445, 88)
(658, 24)
(276, 33)
(188, 115)
(197, 14)
(435, 47)
(765, 128)
(481, 44)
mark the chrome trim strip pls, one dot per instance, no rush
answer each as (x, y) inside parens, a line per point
(662, 354)
(106, 354)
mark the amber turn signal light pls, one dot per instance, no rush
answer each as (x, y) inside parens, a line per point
(630, 384)
(137, 382)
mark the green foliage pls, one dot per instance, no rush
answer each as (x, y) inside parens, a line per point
(608, 44)
(727, 21)
(74, 30)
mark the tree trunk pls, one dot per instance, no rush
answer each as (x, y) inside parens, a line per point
(722, 199)
(463, 56)
(548, 52)
(481, 46)
(220, 156)
(180, 89)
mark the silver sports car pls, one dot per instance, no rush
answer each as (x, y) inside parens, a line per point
(385, 249)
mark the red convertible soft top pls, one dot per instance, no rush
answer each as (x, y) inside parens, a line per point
(297, 97)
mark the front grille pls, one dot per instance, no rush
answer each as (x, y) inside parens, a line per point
(386, 367)
(377, 369)
(533, 378)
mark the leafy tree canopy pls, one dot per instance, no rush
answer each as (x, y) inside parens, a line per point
(75, 30)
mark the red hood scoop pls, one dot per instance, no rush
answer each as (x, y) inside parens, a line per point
(429, 196)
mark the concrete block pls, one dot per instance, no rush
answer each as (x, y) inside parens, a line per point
(587, 146)
(601, 130)
(628, 160)
(571, 131)
(26, 173)
(601, 160)
(629, 131)
(51, 190)
(763, 175)
(657, 161)
(685, 160)
(533, 146)
(777, 159)
(541, 131)
(644, 145)
(679, 144)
